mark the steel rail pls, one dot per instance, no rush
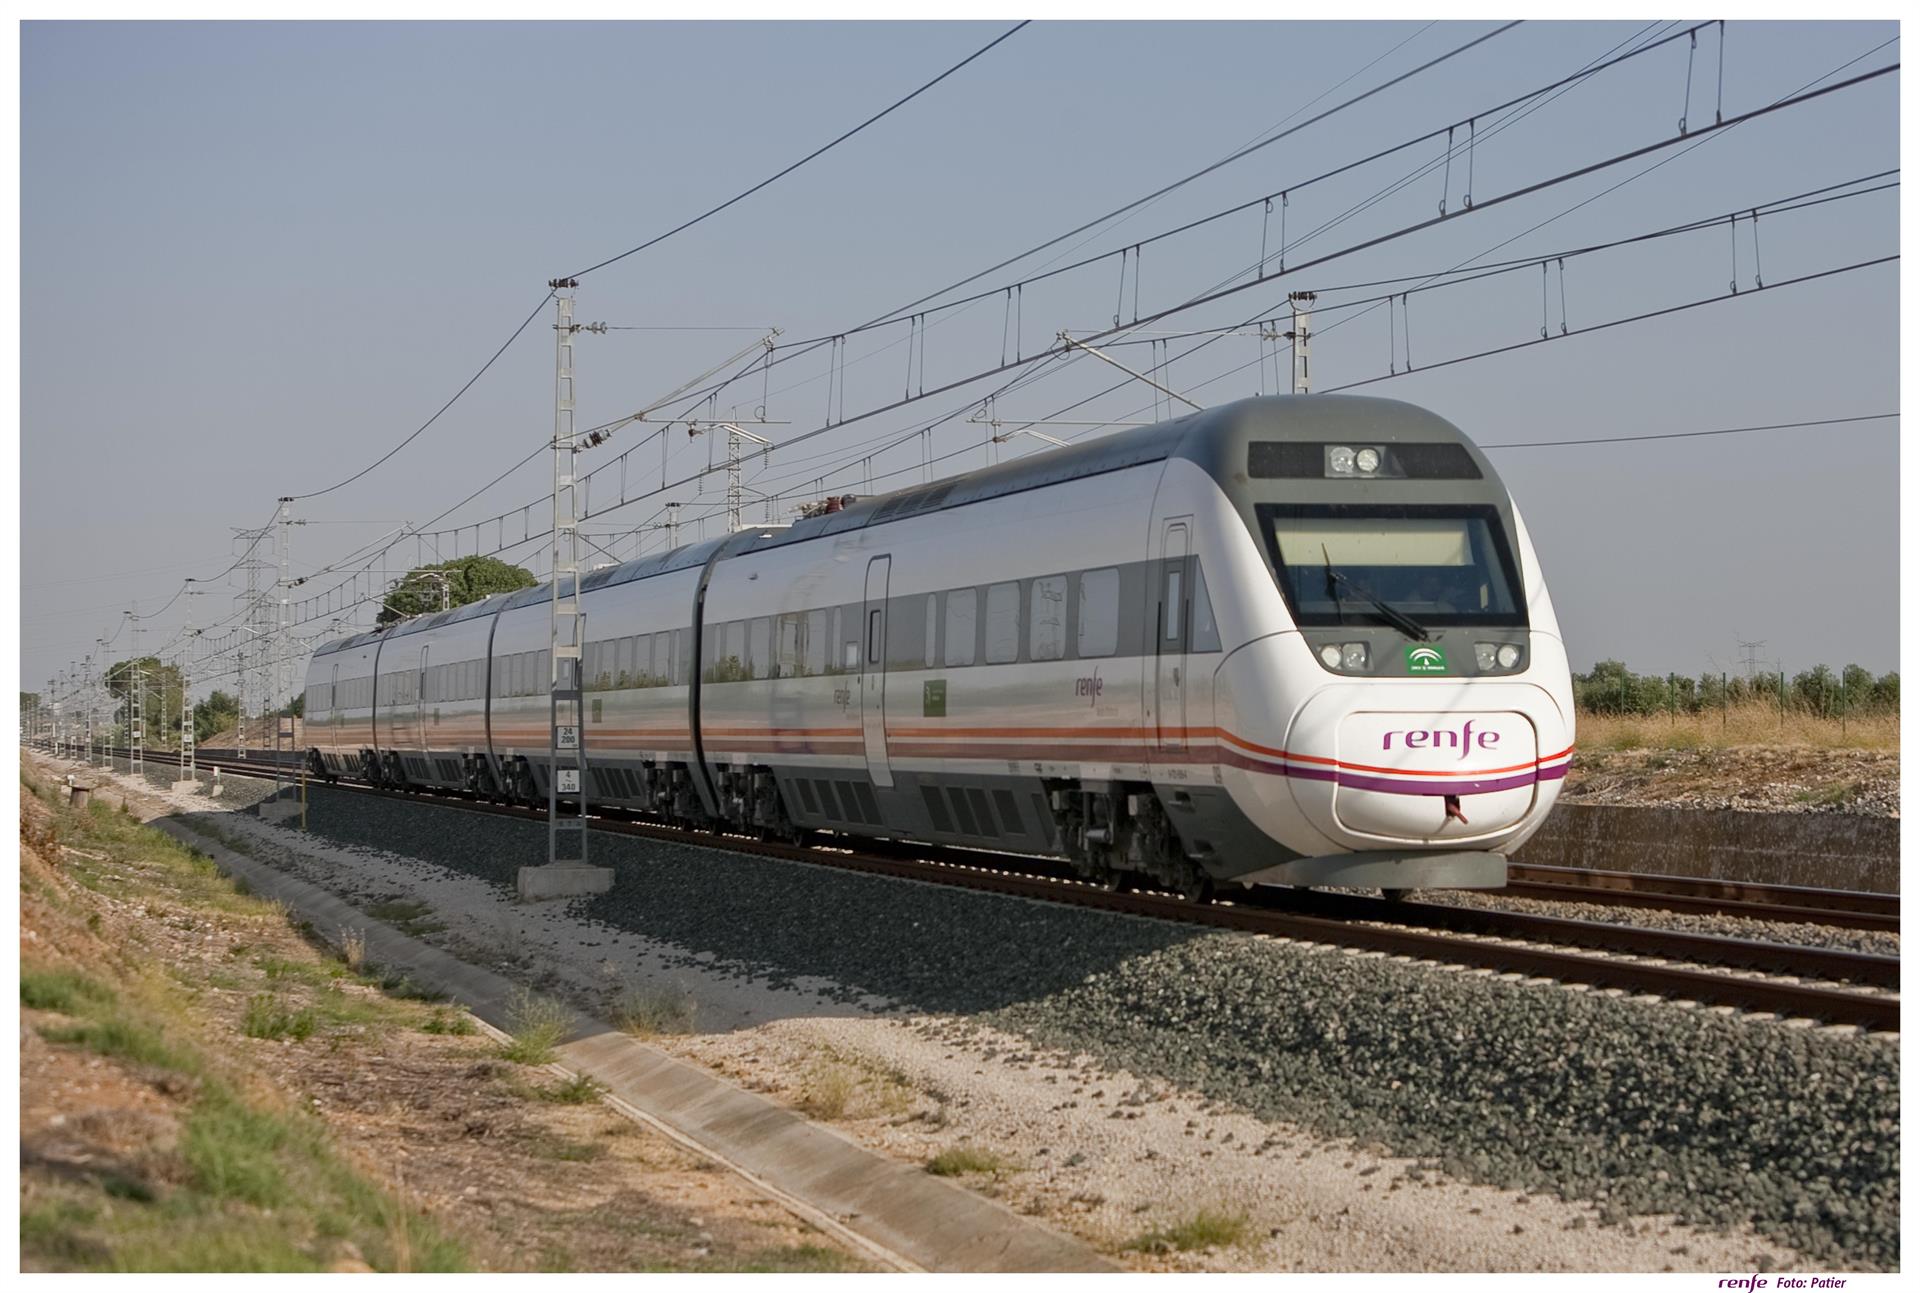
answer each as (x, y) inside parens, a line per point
(1421, 931)
(1851, 908)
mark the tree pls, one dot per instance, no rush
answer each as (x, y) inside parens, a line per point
(214, 714)
(160, 698)
(451, 583)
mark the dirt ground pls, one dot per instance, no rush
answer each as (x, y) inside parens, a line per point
(498, 1156)
(1781, 779)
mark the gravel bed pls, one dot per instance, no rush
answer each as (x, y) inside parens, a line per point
(1878, 942)
(1646, 1109)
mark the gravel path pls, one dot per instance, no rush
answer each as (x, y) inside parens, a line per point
(1643, 1110)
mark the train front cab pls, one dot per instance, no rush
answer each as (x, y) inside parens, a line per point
(1398, 712)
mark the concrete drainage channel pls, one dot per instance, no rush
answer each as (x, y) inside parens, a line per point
(896, 1214)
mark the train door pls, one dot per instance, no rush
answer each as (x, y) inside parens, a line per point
(1170, 639)
(873, 672)
(420, 699)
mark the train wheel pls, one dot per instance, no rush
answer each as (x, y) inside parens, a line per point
(1198, 888)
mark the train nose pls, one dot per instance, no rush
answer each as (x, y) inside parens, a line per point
(1397, 766)
(1426, 776)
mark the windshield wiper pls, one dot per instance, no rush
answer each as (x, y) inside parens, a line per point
(1399, 619)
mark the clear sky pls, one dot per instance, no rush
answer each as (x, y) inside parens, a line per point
(254, 256)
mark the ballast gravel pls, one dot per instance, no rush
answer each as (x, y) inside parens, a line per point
(1872, 941)
(1643, 1109)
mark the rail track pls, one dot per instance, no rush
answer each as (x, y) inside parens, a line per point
(1852, 988)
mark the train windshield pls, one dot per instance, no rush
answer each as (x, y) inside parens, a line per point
(1436, 564)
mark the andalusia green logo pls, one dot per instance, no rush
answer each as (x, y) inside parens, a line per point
(1426, 658)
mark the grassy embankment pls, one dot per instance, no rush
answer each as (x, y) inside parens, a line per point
(205, 1088)
(209, 1167)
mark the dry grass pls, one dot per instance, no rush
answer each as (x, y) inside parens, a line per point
(852, 1086)
(1206, 1229)
(653, 1012)
(965, 1160)
(1740, 725)
(353, 949)
(537, 1025)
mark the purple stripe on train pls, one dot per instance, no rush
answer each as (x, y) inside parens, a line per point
(1460, 786)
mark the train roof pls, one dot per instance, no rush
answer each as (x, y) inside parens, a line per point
(1215, 439)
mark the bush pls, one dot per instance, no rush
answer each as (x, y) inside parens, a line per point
(1612, 688)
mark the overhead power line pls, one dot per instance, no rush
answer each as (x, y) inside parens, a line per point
(438, 413)
(788, 170)
(1689, 435)
(1206, 170)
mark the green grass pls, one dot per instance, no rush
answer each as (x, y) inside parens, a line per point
(578, 1089)
(1829, 796)
(450, 1023)
(246, 1185)
(270, 1019)
(1207, 1228)
(536, 1025)
(965, 1160)
(118, 1037)
(61, 990)
(396, 983)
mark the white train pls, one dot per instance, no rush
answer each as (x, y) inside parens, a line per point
(1294, 640)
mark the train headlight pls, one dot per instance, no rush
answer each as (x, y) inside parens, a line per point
(1353, 655)
(1330, 656)
(1367, 461)
(1492, 655)
(1339, 460)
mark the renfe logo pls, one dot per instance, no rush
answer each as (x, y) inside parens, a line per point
(1440, 738)
(1090, 687)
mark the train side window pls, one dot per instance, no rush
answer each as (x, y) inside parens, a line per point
(1047, 618)
(1170, 611)
(875, 618)
(1003, 623)
(662, 663)
(1099, 633)
(760, 647)
(1206, 634)
(963, 606)
(850, 645)
(786, 644)
(814, 642)
(623, 663)
(733, 660)
(933, 628)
